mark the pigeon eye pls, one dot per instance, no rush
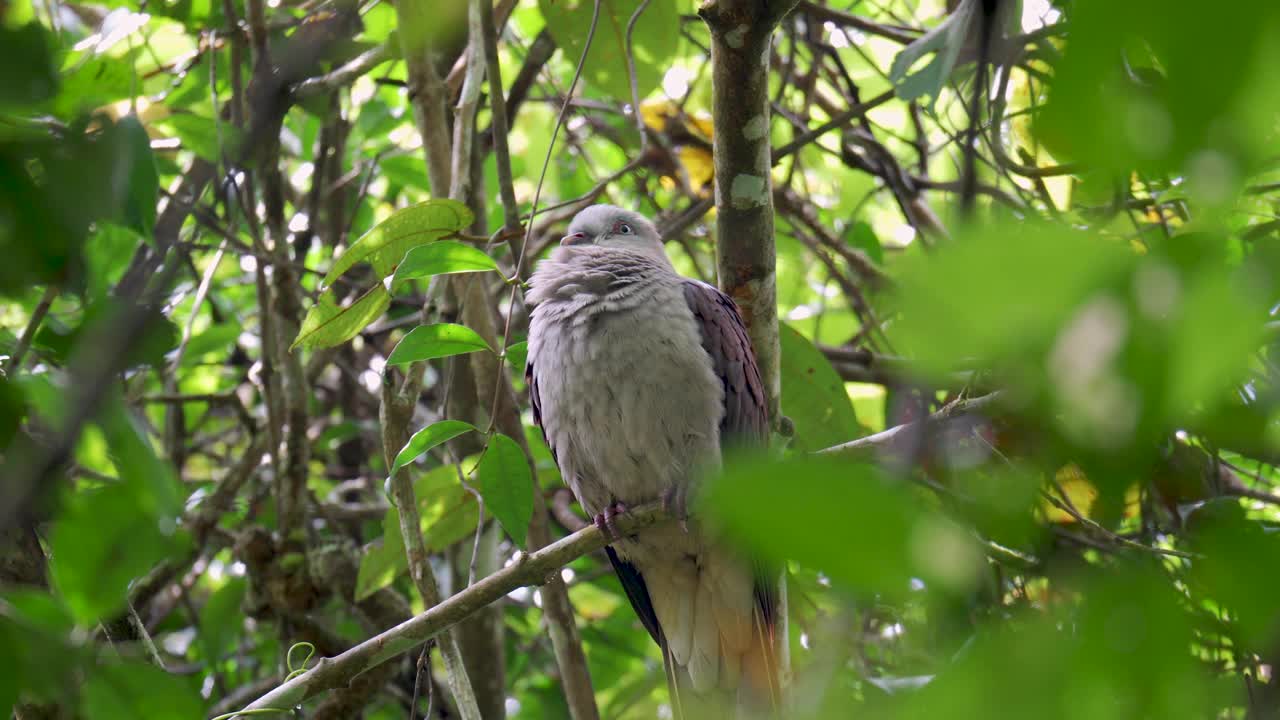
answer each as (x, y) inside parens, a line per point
(624, 229)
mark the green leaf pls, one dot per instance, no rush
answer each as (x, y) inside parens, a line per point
(27, 73)
(826, 509)
(947, 39)
(518, 356)
(93, 577)
(426, 439)
(132, 524)
(441, 258)
(214, 339)
(998, 268)
(131, 690)
(427, 342)
(143, 183)
(503, 479)
(40, 630)
(861, 236)
(203, 136)
(448, 513)
(813, 395)
(221, 620)
(107, 254)
(655, 41)
(386, 244)
(99, 81)
(327, 324)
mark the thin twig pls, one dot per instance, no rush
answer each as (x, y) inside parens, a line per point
(37, 317)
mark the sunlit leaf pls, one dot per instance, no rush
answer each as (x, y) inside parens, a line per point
(328, 324)
(386, 244)
(427, 342)
(440, 258)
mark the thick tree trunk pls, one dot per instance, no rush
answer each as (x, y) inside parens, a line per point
(741, 34)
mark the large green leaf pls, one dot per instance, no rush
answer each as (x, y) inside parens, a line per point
(655, 41)
(131, 524)
(38, 631)
(386, 244)
(813, 395)
(847, 519)
(132, 690)
(427, 342)
(441, 258)
(27, 74)
(328, 324)
(428, 438)
(448, 513)
(503, 479)
(221, 619)
(103, 540)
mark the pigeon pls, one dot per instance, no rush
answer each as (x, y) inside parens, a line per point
(640, 379)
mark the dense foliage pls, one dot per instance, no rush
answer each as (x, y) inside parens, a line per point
(261, 349)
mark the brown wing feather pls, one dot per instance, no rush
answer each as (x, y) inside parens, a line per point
(724, 337)
(746, 416)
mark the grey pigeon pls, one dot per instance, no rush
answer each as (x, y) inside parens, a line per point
(639, 377)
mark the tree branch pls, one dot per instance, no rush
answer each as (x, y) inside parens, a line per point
(533, 569)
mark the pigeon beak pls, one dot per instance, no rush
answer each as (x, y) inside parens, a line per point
(575, 239)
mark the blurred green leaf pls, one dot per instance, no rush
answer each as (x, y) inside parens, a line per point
(1123, 653)
(93, 577)
(1167, 87)
(655, 41)
(813, 395)
(204, 136)
(428, 438)
(847, 519)
(861, 236)
(100, 318)
(1019, 282)
(143, 184)
(40, 630)
(427, 342)
(441, 258)
(503, 479)
(221, 619)
(27, 73)
(945, 41)
(130, 690)
(133, 524)
(214, 339)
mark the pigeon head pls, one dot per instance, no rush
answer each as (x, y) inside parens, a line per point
(612, 227)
